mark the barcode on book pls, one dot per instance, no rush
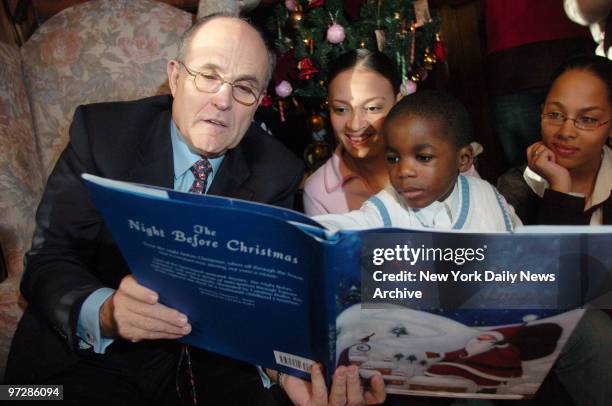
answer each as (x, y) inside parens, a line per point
(293, 361)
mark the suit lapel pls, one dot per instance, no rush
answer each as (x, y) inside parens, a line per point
(233, 173)
(155, 163)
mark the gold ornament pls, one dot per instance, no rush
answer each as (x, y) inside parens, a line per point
(309, 44)
(316, 122)
(316, 154)
(430, 59)
(296, 18)
(419, 74)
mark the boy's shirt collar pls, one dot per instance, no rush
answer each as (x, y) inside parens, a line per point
(603, 181)
(438, 214)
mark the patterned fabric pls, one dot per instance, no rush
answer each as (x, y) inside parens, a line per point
(201, 169)
(21, 185)
(97, 51)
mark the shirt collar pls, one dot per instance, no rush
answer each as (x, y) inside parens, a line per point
(338, 174)
(603, 181)
(184, 157)
(438, 214)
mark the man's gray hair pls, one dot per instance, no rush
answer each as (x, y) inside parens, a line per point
(187, 36)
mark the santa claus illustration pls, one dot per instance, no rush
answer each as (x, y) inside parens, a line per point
(494, 357)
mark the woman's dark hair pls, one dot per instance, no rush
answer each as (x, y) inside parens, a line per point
(366, 59)
(597, 65)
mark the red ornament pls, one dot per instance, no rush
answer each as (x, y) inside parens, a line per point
(266, 101)
(440, 50)
(306, 68)
(315, 3)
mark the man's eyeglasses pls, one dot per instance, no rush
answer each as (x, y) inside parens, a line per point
(211, 83)
(582, 122)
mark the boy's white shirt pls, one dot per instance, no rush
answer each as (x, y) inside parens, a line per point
(601, 190)
(484, 213)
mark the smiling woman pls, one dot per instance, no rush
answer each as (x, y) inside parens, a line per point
(363, 86)
(570, 170)
(569, 181)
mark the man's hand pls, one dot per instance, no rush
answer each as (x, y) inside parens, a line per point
(134, 314)
(542, 161)
(346, 389)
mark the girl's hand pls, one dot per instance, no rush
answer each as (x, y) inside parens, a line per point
(346, 389)
(542, 161)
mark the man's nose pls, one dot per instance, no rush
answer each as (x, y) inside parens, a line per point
(223, 98)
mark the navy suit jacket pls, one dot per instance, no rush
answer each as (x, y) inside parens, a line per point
(73, 253)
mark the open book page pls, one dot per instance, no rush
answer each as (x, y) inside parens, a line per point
(436, 313)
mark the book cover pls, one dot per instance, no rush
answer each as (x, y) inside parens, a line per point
(436, 313)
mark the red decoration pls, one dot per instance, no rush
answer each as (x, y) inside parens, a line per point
(266, 101)
(315, 3)
(306, 68)
(440, 50)
(281, 110)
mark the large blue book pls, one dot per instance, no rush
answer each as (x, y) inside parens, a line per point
(437, 313)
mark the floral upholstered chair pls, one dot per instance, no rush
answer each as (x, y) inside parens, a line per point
(102, 50)
(21, 184)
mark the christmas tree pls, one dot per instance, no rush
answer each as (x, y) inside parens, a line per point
(310, 33)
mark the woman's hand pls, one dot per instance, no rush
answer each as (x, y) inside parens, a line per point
(346, 389)
(542, 161)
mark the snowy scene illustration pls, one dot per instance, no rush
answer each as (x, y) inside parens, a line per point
(419, 352)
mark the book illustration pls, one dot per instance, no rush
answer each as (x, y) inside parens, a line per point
(418, 351)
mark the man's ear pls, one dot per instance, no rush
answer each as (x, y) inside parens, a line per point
(465, 158)
(173, 72)
(399, 96)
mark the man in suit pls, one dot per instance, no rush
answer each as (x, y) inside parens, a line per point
(89, 325)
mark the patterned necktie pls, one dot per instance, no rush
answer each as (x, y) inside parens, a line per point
(201, 169)
(185, 382)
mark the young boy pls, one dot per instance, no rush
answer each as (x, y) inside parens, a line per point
(427, 136)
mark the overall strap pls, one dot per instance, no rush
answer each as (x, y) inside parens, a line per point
(382, 210)
(504, 210)
(465, 203)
